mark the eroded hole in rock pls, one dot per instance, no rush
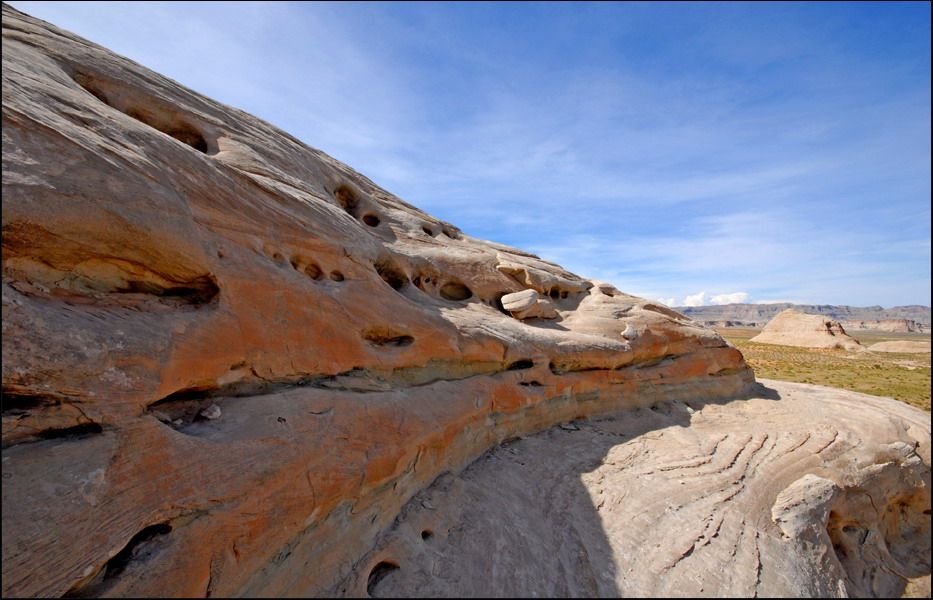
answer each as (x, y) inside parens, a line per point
(451, 233)
(391, 274)
(183, 407)
(162, 118)
(180, 130)
(563, 294)
(426, 279)
(530, 384)
(307, 266)
(379, 573)
(428, 231)
(497, 303)
(454, 290)
(190, 136)
(519, 365)
(77, 432)
(140, 548)
(197, 291)
(185, 395)
(427, 534)
(313, 271)
(346, 198)
(371, 220)
(554, 293)
(16, 404)
(135, 548)
(387, 337)
(87, 83)
(336, 276)
(44, 273)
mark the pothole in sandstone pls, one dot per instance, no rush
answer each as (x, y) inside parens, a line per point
(150, 112)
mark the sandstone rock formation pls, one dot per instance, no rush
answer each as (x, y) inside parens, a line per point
(901, 346)
(229, 361)
(793, 328)
(740, 499)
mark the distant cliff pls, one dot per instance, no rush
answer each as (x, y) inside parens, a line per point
(757, 315)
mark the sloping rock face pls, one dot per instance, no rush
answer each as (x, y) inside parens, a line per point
(792, 328)
(230, 361)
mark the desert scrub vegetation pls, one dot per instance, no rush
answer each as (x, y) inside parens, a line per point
(905, 377)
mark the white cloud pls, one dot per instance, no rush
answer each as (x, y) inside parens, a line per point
(733, 298)
(698, 299)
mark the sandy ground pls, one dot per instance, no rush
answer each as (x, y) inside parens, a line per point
(901, 346)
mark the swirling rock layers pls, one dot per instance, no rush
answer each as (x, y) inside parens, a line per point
(230, 360)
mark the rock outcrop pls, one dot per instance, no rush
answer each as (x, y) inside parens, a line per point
(738, 499)
(793, 328)
(229, 360)
(528, 304)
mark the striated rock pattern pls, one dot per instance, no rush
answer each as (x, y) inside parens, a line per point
(793, 328)
(685, 499)
(229, 360)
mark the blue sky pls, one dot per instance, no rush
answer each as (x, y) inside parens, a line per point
(753, 152)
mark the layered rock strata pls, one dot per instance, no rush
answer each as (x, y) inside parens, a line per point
(229, 361)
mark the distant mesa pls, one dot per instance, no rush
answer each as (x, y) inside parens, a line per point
(887, 325)
(897, 319)
(794, 328)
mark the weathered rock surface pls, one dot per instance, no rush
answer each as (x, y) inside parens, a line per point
(740, 499)
(230, 360)
(236, 353)
(793, 328)
(901, 346)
